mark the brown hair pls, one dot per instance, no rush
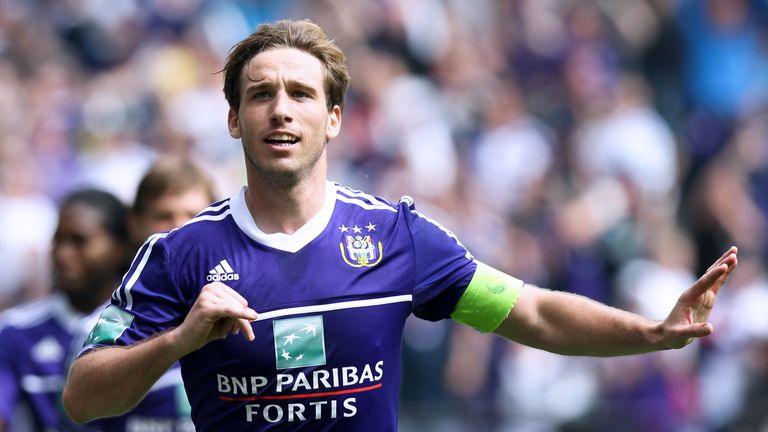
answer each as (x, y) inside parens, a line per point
(170, 175)
(304, 35)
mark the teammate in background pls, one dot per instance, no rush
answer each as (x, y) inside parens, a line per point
(320, 278)
(89, 256)
(171, 192)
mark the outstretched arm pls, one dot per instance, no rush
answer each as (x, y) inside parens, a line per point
(574, 325)
(110, 381)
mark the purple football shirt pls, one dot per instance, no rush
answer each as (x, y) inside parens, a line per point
(34, 340)
(165, 407)
(332, 300)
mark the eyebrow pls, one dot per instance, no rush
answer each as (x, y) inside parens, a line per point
(263, 83)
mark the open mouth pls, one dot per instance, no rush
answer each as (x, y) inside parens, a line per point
(283, 140)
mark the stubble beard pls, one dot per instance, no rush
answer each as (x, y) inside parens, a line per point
(283, 178)
(85, 293)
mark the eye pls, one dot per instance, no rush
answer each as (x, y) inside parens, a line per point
(261, 95)
(299, 94)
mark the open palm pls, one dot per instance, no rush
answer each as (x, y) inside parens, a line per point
(688, 319)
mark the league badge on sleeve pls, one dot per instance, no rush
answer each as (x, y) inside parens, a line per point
(360, 249)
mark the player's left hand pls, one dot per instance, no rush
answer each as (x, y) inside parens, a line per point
(688, 319)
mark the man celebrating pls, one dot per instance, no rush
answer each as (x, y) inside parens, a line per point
(332, 272)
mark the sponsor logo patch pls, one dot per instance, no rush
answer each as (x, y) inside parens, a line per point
(299, 342)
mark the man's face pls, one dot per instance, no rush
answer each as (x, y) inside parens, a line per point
(169, 211)
(283, 119)
(85, 256)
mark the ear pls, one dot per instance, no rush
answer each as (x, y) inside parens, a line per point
(333, 127)
(233, 122)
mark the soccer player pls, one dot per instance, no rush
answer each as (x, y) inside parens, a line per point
(171, 192)
(88, 257)
(319, 278)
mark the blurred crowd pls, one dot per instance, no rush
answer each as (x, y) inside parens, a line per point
(611, 148)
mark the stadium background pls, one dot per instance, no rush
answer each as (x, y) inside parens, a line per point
(609, 148)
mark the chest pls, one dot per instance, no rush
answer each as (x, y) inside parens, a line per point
(331, 269)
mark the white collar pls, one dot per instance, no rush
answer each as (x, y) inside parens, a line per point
(284, 242)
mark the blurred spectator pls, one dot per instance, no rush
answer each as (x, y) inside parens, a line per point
(514, 151)
(89, 248)
(722, 50)
(630, 141)
(722, 47)
(27, 223)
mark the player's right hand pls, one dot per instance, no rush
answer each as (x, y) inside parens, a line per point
(218, 311)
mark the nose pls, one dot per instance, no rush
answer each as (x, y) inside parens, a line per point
(281, 108)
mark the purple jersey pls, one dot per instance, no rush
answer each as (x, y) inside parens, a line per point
(34, 340)
(165, 407)
(332, 301)
(35, 344)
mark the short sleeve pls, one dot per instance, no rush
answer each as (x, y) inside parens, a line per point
(147, 302)
(443, 266)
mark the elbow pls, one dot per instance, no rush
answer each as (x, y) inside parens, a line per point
(75, 398)
(73, 405)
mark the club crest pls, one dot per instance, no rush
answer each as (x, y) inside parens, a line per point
(358, 249)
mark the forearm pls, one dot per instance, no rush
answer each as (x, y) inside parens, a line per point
(574, 325)
(110, 381)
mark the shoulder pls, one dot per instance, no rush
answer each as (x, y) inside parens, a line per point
(354, 198)
(204, 225)
(28, 314)
(362, 200)
(209, 218)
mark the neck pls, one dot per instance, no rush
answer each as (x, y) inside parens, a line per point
(285, 208)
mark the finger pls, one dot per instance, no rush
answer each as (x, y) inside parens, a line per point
(218, 308)
(235, 326)
(682, 336)
(732, 251)
(717, 274)
(705, 282)
(241, 313)
(247, 328)
(229, 303)
(228, 294)
(221, 329)
(223, 291)
(696, 330)
(732, 262)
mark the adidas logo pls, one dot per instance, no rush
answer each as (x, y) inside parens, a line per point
(222, 272)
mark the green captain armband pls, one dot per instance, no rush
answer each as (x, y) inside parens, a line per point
(490, 296)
